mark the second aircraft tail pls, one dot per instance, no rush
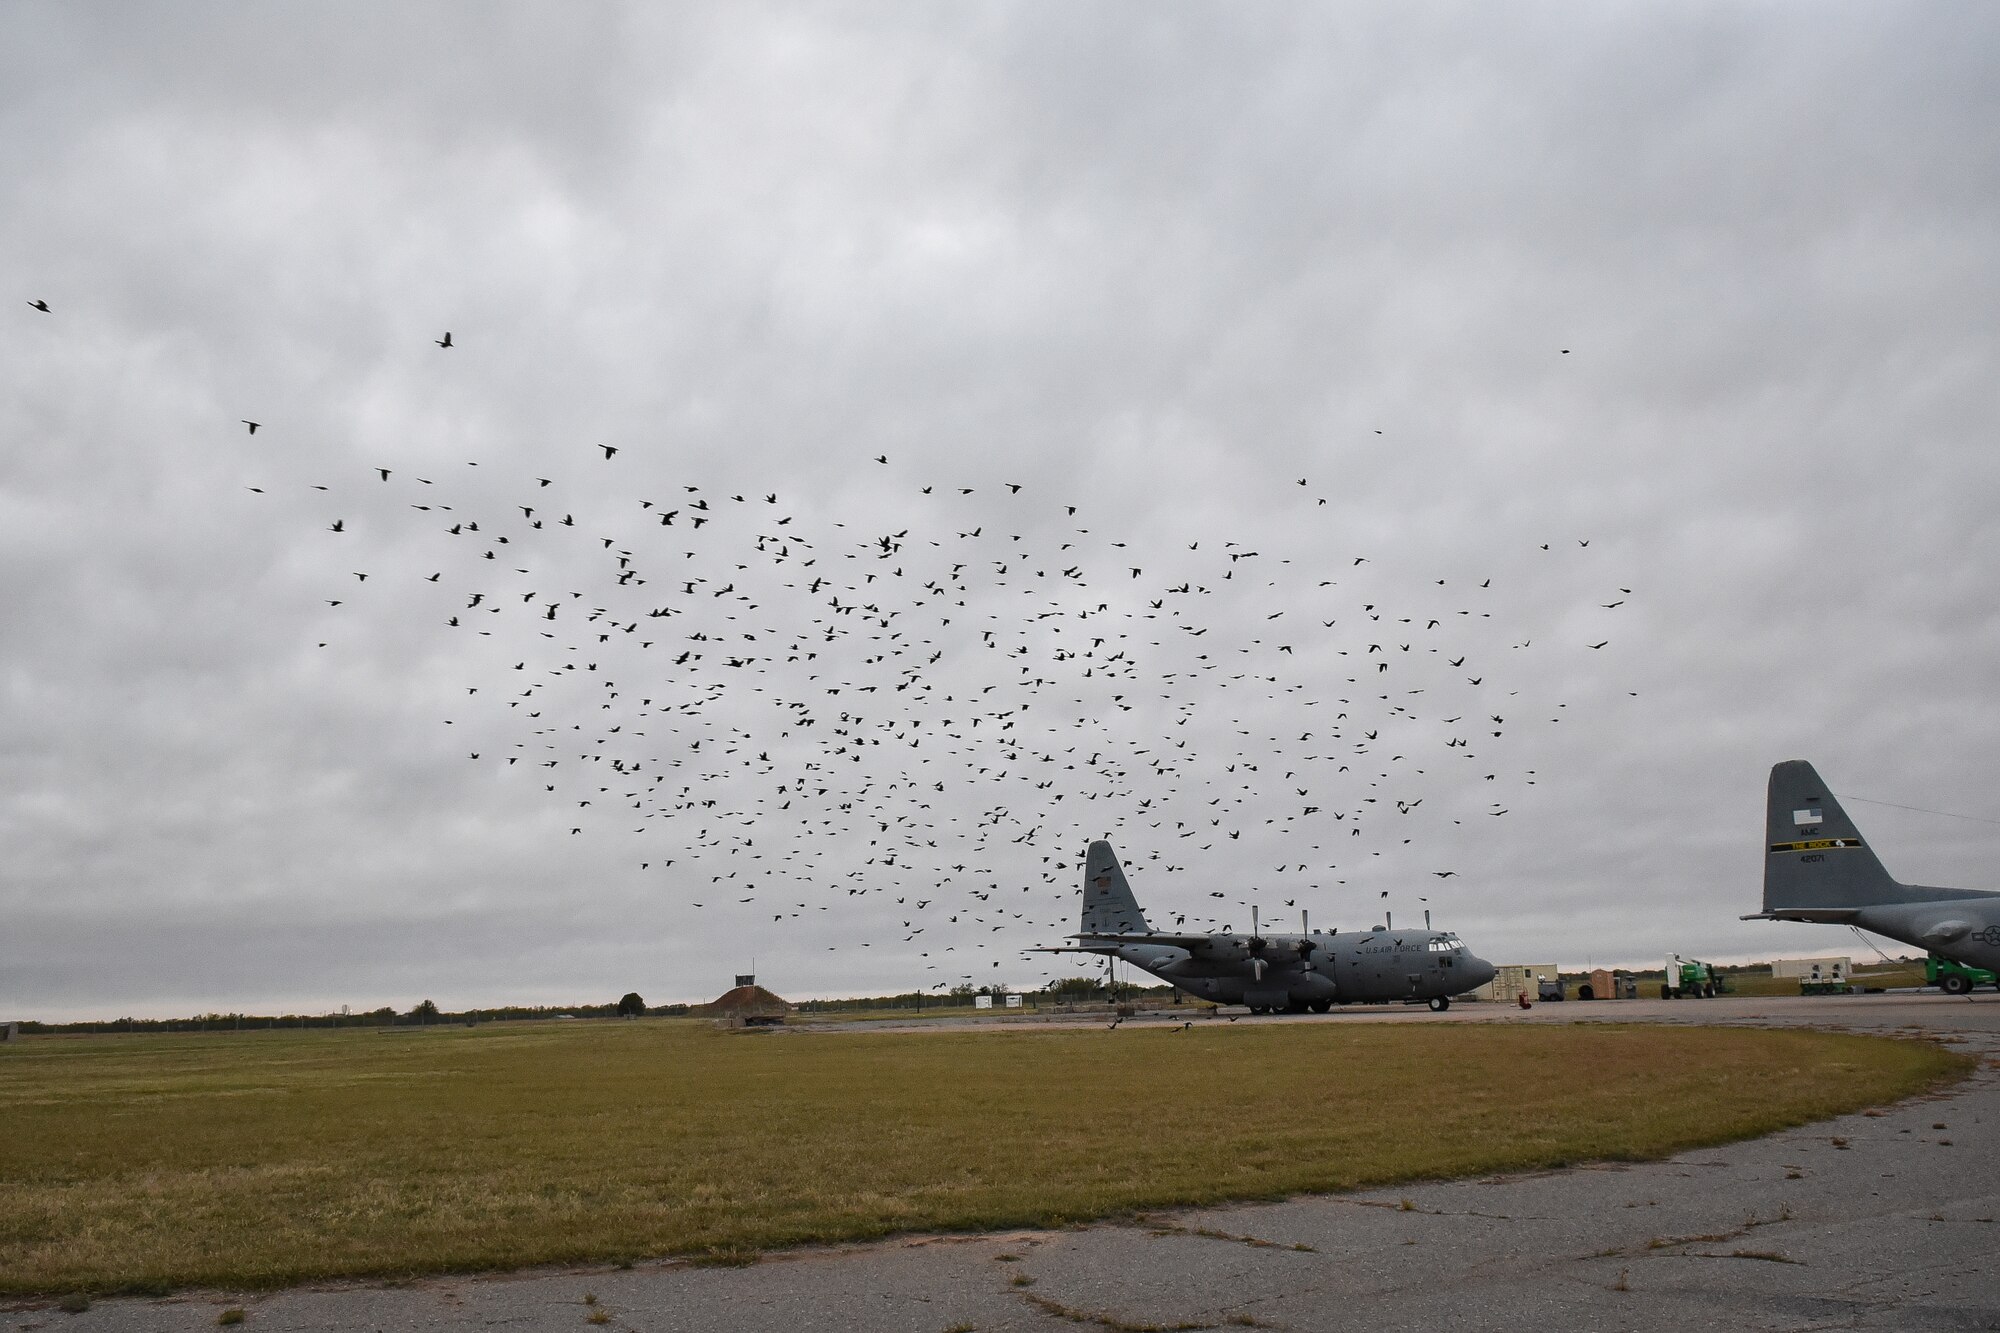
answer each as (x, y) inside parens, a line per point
(1814, 856)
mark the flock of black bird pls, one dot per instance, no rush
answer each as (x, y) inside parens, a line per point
(918, 710)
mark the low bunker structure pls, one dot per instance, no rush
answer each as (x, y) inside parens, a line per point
(746, 1006)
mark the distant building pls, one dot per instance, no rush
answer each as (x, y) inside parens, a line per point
(1511, 980)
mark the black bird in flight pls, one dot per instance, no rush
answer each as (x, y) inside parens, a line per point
(251, 424)
(444, 341)
(339, 525)
(609, 449)
(42, 306)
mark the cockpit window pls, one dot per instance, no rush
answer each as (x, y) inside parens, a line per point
(1445, 944)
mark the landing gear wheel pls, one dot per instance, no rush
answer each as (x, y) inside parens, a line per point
(1321, 1006)
(1951, 983)
(1440, 1003)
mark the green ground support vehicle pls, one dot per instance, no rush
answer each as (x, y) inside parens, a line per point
(1688, 978)
(1956, 978)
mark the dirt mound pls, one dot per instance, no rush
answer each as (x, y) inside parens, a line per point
(745, 1002)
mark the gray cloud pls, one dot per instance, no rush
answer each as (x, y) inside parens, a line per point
(1159, 266)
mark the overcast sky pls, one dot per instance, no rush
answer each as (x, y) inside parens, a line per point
(1280, 406)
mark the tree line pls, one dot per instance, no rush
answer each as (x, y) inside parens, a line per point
(427, 1013)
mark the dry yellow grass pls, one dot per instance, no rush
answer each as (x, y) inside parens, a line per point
(145, 1163)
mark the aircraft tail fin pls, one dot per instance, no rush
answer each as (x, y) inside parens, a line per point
(1815, 860)
(1108, 905)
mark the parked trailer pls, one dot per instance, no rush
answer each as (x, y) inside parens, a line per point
(1604, 984)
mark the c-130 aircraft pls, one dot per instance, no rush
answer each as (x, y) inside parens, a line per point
(1281, 973)
(1819, 869)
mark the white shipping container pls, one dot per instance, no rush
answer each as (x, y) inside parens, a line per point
(1813, 969)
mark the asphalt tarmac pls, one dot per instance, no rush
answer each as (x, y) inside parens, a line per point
(1880, 1220)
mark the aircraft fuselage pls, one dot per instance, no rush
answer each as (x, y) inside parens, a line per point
(1295, 972)
(1965, 931)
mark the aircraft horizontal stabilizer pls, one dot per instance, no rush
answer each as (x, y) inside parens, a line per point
(1111, 943)
(1145, 937)
(1835, 916)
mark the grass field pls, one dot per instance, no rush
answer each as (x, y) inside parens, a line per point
(150, 1163)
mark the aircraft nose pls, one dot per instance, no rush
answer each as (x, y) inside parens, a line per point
(1478, 972)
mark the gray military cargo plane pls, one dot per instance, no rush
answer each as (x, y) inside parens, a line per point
(1816, 868)
(1284, 973)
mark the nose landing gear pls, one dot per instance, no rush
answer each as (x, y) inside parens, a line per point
(1440, 1003)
